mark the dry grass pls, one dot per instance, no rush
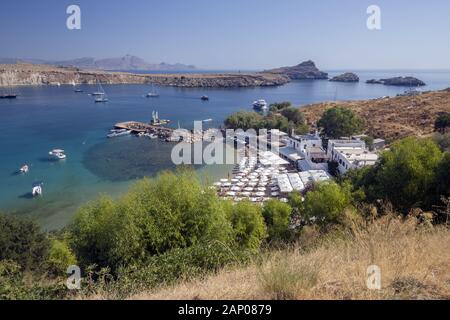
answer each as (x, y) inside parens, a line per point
(414, 262)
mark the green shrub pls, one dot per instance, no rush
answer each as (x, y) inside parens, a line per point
(22, 241)
(172, 211)
(60, 257)
(277, 217)
(248, 225)
(327, 202)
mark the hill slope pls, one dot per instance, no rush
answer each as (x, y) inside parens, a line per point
(414, 263)
(392, 118)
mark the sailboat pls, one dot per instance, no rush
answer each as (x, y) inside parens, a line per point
(153, 93)
(100, 96)
(99, 91)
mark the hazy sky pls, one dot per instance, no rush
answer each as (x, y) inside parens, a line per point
(234, 34)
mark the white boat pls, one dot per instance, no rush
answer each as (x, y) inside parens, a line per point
(118, 133)
(260, 104)
(153, 93)
(24, 169)
(58, 154)
(207, 120)
(101, 98)
(100, 91)
(36, 189)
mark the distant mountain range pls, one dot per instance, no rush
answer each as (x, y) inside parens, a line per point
(127, 62)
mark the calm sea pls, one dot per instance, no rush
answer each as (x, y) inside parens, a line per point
(44, 118)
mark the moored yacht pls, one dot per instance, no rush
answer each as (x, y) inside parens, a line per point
(58, 154)
(260, 104)
(36, 189)
(153, 93)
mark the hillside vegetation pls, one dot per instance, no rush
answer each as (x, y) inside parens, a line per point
(414, 261)
(392, 118)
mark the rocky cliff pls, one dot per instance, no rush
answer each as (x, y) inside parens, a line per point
(31, 74)
(304, 70)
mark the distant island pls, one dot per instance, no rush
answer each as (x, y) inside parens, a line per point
(346, 77)
(399, 81)
(125, 63)
(303, 71)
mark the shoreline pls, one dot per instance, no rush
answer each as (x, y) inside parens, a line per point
(41, 75)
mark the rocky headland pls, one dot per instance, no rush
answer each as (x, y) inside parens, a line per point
(346, 77)
(302, 71)
(399, 81)
(33, 74)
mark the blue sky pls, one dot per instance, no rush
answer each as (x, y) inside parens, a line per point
(234, 34)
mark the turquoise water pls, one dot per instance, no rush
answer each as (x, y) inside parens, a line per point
(44, 118)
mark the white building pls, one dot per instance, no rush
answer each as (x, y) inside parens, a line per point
(350, 154)
(305, 152)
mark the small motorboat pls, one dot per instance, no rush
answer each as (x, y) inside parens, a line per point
(58, 154)
(36, 189)
(204, 98)
(260, 104)
(24, 169)
(207, 120)
(78, 90)
(119, 133)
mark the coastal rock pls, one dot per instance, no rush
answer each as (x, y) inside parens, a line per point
(346, 77)
(304, 70)
(399, 81)
(30, 74)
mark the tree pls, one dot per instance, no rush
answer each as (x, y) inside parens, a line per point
(405, 175)
(248, 224)
(22, 241)
(369, 142)
(276, 107)
(293, 115)
(277, 217)
(244, 120)
(327, 202)
(338, 122)
(276, 121)
(442, 123)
